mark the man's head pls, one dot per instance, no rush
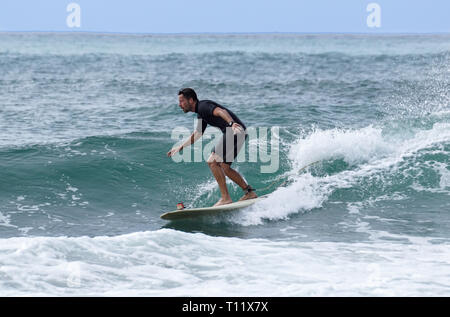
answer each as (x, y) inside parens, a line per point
(187, 99)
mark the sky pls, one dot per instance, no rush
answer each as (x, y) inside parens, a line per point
(226, 16)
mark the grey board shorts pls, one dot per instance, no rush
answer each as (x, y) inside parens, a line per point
(230, 145)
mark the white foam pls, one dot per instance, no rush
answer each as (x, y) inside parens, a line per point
(353, 146)
(444, 181)
(367, 149)
(5, 220)
(208, 187)
(172, 263)
(364, 145)
(304, 194)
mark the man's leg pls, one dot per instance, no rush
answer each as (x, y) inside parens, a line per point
(221, 169)
(216, 169)
(233, 175)
(237, 142)
(238, 179)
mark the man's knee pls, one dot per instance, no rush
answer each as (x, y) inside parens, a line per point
(214, 159)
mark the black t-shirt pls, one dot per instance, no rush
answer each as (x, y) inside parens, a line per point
(204, 110)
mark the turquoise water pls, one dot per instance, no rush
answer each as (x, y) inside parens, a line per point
(87, 121)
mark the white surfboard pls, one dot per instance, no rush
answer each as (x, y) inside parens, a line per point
(187, 213)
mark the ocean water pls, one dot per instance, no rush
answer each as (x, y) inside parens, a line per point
(87, 119)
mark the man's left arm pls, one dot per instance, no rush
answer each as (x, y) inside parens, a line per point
(219, 112)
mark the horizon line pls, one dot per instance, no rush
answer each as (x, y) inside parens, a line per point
(227, 33)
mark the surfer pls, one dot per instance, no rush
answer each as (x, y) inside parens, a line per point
(226, 150)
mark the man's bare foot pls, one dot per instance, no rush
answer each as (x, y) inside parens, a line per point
(223, 202)
(249, 195)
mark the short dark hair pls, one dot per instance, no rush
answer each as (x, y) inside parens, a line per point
(188, 93)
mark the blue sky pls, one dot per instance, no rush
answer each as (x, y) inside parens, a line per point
(199, 16)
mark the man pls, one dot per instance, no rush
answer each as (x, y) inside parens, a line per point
(226, 150)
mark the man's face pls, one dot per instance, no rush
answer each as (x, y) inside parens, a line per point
(184, 103)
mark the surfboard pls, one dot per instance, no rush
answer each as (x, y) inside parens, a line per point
(194, 212)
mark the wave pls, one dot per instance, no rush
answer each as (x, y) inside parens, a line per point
(98, 173)
(172, 263)
(356, 165)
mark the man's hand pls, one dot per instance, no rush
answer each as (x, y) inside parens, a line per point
(236, 127)
(173, 151)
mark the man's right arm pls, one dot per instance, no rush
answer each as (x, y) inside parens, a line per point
(198, 132)
(192, 139)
